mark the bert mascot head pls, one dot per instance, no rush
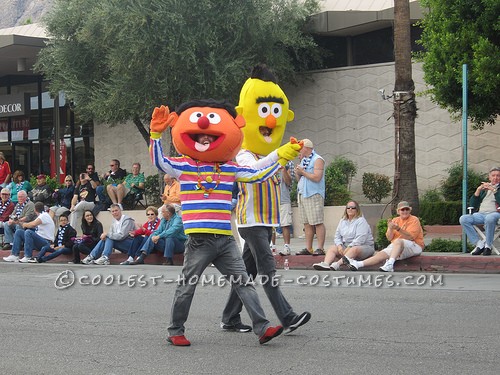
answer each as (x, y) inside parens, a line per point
(265, 108)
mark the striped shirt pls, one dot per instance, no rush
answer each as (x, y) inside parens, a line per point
(205, 211)
(258, 204)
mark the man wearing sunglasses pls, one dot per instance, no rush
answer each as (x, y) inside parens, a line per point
(407, 240)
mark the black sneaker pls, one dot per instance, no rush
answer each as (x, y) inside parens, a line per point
(238, 327)
(478, 251)
(487, 251)
(299, 320)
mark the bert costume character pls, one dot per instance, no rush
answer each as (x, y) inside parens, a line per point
(264, 106)
(207, 134)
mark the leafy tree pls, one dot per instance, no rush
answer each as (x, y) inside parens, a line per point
(463, 32)
(118, 59)
(452, 186)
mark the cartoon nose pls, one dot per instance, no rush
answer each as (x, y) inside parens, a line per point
(203, 122)
(271, 121)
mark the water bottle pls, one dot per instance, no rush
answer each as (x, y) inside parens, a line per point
(286, 266)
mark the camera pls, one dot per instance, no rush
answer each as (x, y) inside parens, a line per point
(82, 176)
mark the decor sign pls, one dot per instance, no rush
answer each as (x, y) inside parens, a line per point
(14, 105)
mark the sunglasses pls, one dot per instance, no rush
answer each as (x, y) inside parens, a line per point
(350, 208)
(5, 194)
(150, 214)
(405, 209)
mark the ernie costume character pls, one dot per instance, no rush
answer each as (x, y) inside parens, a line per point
(265, 108)
(208, 135)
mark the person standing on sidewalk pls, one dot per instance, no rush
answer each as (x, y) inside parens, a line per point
(486, 203)
(286, 220)
(310, 174)
(265, 108)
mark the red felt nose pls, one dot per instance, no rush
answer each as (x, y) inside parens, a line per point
(203, 122)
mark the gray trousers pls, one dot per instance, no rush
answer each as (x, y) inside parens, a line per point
(202, 250)
(259, 260)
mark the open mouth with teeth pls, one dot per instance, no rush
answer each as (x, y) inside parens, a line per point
(266, 133)
(191, 140)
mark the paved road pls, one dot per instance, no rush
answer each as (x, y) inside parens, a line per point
(450, 327)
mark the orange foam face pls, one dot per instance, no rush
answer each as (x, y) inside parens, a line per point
(217, 124)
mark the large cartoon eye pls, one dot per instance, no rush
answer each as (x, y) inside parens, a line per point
(264, 110)
(193, 117)
(214, 118)
(276, 110)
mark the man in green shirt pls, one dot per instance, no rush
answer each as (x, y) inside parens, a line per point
(132, 182)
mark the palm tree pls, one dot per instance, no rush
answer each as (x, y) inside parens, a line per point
(405, 110)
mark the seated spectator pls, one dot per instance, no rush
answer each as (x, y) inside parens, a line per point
(63, 198)
(353, 239)
(32, 239)
(114, 176)
(407, 240)
(92, 231)
(169, 237)
(24, 212)
(83, 199)
(94, 177)
(42, 192)
(6, 207)
(486, 205)
(4, 171)
(132, 183)
(117, 238)
(18, 183)
(172, 192)
(63, 242)
(142, 234)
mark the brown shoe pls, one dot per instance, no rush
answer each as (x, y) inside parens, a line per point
(318, 252)
(303, 252)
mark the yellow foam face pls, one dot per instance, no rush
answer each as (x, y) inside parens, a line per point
(259, 108)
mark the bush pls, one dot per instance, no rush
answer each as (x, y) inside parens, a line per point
(440, 213)
(432, 196)
(452, 186)
(381, 242)
(153, 190)
(338, 176)
(439, 245)
(376, 186)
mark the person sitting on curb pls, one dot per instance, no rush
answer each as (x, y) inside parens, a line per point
(486, 204)
(92, 230)
(407, 240)
(142, 234)
(24, 212)
(63, 242)
(353, 239)
(169, 237)
(34, 234)
(118, 238)
(6, 207)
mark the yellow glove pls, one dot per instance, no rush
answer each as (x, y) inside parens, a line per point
(289, 151)
(159, 121)
(282, 161)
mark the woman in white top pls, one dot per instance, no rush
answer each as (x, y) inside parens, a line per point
(353, 239)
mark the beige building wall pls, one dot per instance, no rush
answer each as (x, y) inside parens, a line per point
(341, 111)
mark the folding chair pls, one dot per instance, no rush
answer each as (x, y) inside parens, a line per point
(135, 198)
(480, 231)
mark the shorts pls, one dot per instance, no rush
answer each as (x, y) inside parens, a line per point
(410, 249)
(311, 209)
(286, 215)
(365, 251)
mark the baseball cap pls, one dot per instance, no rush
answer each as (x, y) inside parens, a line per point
(403, 204)
(41, 176)
(308, 143)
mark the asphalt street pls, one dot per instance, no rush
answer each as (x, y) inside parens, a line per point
(66, 319)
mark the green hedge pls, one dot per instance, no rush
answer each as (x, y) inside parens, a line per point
(439, 245)
(440, 213)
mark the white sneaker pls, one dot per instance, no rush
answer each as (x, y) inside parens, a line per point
(88, 260)
(286, 250)
(103, 261)
(322, 266)
(387, 267)
(11, 258)
(334, 266)
(273, 248)
(27, 260)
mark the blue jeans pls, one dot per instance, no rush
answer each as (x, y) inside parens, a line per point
(201, 250)
(32, 241)
(103, 198)
(136, 245)
(259, 259)
(489, 220)
(18, 241)
(8, 232)
(168, 245)
(53, 253)
(105, 247)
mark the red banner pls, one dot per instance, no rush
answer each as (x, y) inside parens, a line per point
(62, 160)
